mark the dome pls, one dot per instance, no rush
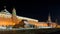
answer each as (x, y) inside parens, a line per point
(5, 12)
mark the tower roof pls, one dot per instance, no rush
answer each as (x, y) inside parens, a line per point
(5, 11)
(14, 11)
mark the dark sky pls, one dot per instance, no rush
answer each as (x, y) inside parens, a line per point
(37, 10)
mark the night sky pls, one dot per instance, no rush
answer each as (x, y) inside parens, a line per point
(37, 10)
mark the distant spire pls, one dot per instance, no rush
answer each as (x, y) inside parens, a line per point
(56, 20)
(49, 18)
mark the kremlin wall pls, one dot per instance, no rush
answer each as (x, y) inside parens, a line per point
(8, 19)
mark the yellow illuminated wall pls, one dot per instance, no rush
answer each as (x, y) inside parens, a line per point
(6, 22)
(9, 22)
(38, 23)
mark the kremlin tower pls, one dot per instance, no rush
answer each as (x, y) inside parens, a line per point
(49, 18)
(14, 18)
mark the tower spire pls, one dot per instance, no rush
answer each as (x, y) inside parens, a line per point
(49, 18)
(14, 11)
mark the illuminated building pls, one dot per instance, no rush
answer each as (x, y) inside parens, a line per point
(8, 19)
